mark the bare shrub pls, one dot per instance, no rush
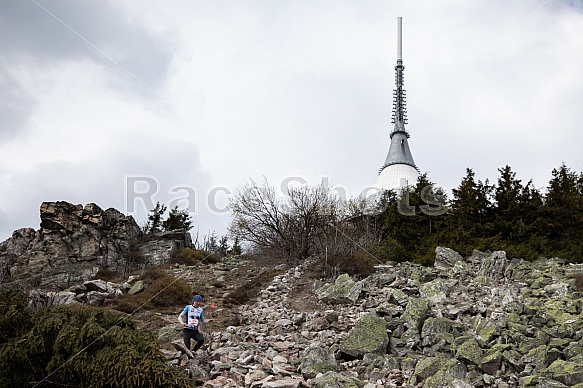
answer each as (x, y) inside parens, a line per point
(308, 221)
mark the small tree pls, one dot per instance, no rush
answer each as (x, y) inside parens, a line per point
(155, 218)
(223, 246)
(236, 248)
(210, 243)
(178, 219)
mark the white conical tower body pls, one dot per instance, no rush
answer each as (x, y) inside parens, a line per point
(399, 169)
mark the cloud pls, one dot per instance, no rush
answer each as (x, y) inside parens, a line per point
(16, 106)
(39, 36)
(171, 163)
(278, 89)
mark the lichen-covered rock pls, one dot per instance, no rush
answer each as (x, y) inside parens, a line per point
(165, 246)
(397, 296)
(336, 380)
(494, 266)
(569, 373)
(137, 287)
(491, 362)
(429, 366)
(445, 258)
(95, 298)
(316, 359)
(573, 349)
(369, 335)
(470, 351)
(537, 356)
(486, 329)
(434, 330)
(434, 291)
(416, 312)
(540, 382)
(196, 373)
(169, 333)
(451, 375)
(344, 290)
(377, 366)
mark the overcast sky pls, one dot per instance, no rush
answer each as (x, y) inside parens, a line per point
(125, 103)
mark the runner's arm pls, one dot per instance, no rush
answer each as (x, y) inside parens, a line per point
(182, 314)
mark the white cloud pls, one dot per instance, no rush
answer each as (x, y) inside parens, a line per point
(210, 94)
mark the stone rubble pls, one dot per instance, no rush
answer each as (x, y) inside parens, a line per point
(482, 321)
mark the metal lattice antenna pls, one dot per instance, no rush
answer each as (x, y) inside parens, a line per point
(399, 152)
(399, 118)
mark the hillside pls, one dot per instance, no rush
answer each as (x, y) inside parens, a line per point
(479, 321)
(476, 321)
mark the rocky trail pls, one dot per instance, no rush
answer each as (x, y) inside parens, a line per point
(482, 321)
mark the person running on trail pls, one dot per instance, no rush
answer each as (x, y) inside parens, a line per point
(194, 315)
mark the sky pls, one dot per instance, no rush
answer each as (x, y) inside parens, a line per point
(126, 103)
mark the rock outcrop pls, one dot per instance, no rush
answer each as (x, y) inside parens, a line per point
(74, 242)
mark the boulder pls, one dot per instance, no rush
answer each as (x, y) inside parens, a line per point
(62, 297)
(196, 373)
(336, 380)
(283, 383)
(445, 258)
(95, 298)
(369, 335)
(416, 312)
(137, 287)
(169, 333)
(181, 347)
(470, 352)
(434, 328)
(568, 373)
(344, 290)
(451, 375)
(434, 291)
(317, 358)
(494, 266)
(491, 362)
(429, 366)
(157, 252)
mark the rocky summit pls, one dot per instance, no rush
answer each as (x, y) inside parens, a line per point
(74, 242)
(480, 321)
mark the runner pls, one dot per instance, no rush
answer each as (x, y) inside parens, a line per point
(194, 315)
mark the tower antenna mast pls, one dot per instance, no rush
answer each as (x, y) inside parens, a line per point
(399, 169)
(399, 118)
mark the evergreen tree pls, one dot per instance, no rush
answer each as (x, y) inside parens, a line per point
(470, 212)
(178, 219)
(411, 220)
(508, 195)
(236, 248)
(563, 212)
(155, 218)
(78, 346)
(223, 249)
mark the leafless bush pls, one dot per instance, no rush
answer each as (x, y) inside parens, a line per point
(308, 221)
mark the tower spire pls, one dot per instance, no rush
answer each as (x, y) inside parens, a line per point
(399, 118)
(399, 169)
